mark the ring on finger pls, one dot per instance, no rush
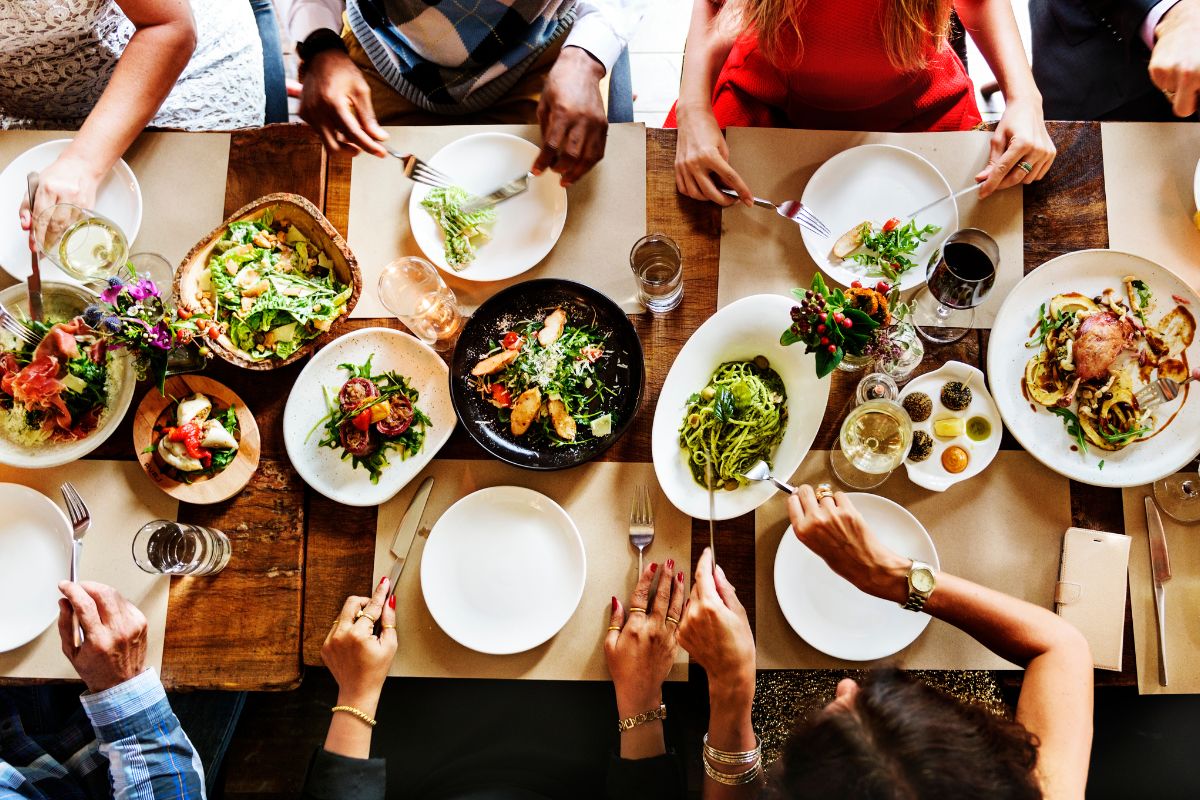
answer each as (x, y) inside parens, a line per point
(1025, 165)
(672, 620)
(638, 610)
(824, 490)
(387, 627)
(361, 613)
(614, 627)
(1170, 95)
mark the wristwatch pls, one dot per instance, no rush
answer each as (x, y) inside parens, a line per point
(921, 584)
(318, 41)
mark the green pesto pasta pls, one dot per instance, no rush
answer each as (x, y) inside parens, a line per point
(735, 421)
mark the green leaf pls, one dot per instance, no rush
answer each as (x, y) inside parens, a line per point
(827, 362)
(789, 337)
(724, 406)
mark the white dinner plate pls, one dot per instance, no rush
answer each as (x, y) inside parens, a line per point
(829, 612)
(526, 227)
(322, 468)
(739, 332)
(119, 199)
(503, 570)
(35, 554)
(875, 182)
(1196, 186)
(1043, 434)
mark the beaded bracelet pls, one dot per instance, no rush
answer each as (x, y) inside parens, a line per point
(354, 712)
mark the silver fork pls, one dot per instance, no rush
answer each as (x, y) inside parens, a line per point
(641, 523)
(794, 210)
(417, 170)
(81, 520)
(17, 328)
(1163, 390)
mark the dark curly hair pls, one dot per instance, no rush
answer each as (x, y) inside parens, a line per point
(904, 740)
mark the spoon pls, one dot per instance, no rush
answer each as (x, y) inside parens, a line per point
(762, 472)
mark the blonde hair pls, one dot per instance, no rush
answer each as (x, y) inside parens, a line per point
(909, 26)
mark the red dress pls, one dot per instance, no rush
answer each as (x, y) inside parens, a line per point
(844, 80)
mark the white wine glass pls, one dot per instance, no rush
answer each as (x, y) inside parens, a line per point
(84, 244)
(874, 441)
(412, 290)
(1179, 495)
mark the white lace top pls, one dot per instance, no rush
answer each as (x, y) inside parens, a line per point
(56, 57)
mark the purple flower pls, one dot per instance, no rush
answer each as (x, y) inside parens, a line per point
(160, 336)
(110, 295)
(144, 288)
(111, 324)
(92, 315)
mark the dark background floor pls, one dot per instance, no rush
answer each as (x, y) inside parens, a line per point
(1145, 747)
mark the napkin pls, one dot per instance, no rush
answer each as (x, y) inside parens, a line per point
(597, 496)
(121, 499)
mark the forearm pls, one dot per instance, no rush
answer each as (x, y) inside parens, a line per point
(348, 735)
(994, 28)
(148, 68)
(730, 729)
(707, 48)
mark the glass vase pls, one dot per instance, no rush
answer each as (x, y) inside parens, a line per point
(853, 363)
(905, 337)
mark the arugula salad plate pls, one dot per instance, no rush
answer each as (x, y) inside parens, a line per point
(526, 227)
(874, 183)
(577, 390)
(316, 394)
(1044, 434)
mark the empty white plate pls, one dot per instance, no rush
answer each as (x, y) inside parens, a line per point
(875, 182)
(503, 570)
(829, 612)
(119, 199)
(35, 554)
(526, 227)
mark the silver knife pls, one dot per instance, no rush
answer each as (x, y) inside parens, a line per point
(943, 199)
(35, 274)
(712, 510)
(501, 193)
(406, 534)
(1160, 569)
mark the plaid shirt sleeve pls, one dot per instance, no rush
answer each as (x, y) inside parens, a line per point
(149, 756)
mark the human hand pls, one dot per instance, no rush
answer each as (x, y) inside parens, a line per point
(336, 101)
(641, 653)
(68, 180)
(358, 659)
(834, 530)
(114, 634)
(571, 114)
(700, 153)
(1020, 138)
(716, 632)
(1175, 59)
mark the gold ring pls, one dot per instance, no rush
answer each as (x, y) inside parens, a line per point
(614, 627)
(1170, 95)
(672, 620)
(639, 610)
(1025, 165)
(389, 627)
(360, 614)
(824, 490)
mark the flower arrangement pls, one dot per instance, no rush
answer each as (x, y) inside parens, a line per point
(835, 323)
(131, 314)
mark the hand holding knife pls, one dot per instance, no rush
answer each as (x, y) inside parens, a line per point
(406, 534)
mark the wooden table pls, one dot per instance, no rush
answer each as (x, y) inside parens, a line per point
(297, 555)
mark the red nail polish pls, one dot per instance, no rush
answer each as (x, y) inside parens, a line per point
(381, 580)
(653, 567)
(679, 577)
(670, 563)
(392, 601)
(614, 603)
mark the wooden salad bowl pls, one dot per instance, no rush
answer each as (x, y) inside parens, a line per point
(313, 224)
(204, 490)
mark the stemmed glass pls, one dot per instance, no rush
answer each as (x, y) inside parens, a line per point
(959, 276)
(875, 437)
(412, 289)
(84, 244)
(1179, 494)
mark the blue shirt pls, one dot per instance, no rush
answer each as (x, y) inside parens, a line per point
(124, 743)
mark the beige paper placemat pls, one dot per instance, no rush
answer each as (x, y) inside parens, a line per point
(1149, 174)
(1182, 597)
(1003, 528)
(121, 499)
(606, 214)
(598, 497)
(182, 178)
(763, 253)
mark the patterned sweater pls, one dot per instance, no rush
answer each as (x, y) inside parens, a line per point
(456, 56)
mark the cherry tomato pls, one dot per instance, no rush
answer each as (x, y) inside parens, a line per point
(512, 341)
(882, 287)
(592, 353)
(362, 420)
(891, 224)
(501, 395)
(856, 284)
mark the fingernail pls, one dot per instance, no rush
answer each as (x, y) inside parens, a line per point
(653, 567)
(392, 601)
(614, 601)
(670, 563)
(679, 577)
(383, 580)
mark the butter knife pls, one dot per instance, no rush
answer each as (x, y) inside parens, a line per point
(406, 534)
(1160, 569)
(973, 187)
(498, 195)
(35, 274)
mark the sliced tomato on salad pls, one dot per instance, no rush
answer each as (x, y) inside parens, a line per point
(501, 396)
(512, 341)
(891, 225)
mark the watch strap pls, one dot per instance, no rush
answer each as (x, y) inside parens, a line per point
(916, 599)
(319, 41)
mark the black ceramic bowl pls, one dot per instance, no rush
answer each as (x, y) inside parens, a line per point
(623, 369)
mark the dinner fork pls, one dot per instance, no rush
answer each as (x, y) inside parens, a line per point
(794, 210)
(641, 523)
(17, 328)
(417, 170)
(81, 520)
(1163, 390)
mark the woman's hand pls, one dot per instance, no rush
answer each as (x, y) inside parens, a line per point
(833, 529)
(716, 632)
(701, 153)
(1020, 138)
(68, 180)
(358, 659)
(641, 653)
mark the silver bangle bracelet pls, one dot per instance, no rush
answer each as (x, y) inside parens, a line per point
(750, 775)
(735, 758)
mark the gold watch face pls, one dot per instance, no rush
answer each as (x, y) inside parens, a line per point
(922, 580)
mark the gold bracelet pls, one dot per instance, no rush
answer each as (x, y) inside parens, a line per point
(642, 719)
(732, 759)
(354, 712)
(750, 775)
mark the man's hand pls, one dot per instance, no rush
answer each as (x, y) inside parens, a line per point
(336, 101)
(1175, 60)
(571, 113)
(114, 634)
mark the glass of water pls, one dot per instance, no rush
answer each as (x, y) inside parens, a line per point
(86, 245)
(163, 547)
(658, 267)
(415, 293)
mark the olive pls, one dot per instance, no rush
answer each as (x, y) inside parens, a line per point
(761, 362)
(731, 485)
(707, 393)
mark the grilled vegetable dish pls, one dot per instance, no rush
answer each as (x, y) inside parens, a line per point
(195, 439)
(1094, 353)
(541, 375)
(372, 415)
